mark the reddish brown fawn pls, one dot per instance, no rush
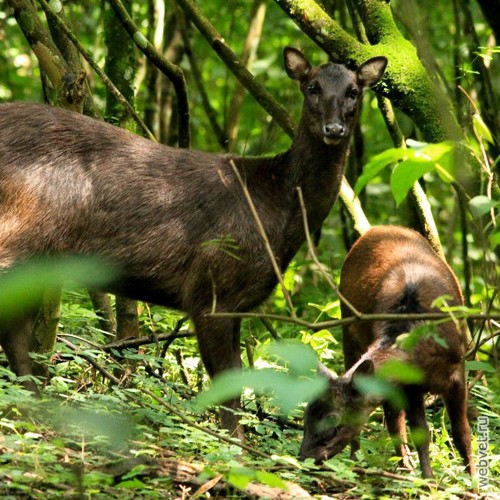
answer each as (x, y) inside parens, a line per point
(393, 270)
(72, 185)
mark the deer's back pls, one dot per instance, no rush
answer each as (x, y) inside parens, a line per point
(175, 220)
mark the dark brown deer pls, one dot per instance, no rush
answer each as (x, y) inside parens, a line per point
(393, 270)
(73, 185)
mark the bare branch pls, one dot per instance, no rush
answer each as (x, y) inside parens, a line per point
(262, 232)
(261, 95)
(310, 244)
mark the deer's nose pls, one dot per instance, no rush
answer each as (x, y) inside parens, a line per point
(334, 130)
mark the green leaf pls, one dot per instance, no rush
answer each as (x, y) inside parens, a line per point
(299, 359)
(270, 479)
(286, 389)
(379, 388)
(495, 239)
(406, 174)
(481, 130)
(399, 371)
(378, 163)
(481, 205)
(479, 366)
(240, 477)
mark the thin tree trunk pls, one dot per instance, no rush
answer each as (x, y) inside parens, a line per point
(121, 65)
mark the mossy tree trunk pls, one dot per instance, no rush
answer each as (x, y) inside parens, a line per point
(406, 82)
(120, 66)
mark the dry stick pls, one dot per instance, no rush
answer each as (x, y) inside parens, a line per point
(102, 75)
(173, 72)
(263, 235)
(131, 343)
(362, 317)
(310, 245)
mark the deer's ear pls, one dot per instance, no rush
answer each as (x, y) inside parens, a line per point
(370, 72)
(296, 64)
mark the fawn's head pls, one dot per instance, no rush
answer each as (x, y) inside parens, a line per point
(333, 420)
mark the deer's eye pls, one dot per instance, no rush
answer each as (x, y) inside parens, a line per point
(313, 88)
(353, 93)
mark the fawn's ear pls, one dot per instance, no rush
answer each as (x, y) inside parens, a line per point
(296, 64)
(365, 369)
(370, 72)
(323, 371)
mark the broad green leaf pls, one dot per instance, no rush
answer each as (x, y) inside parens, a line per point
(443, 157)
(240, 477)
(399, 371)
(287, 390)
(299, 359)
(22, 287)
(481, 205)
(494, 239)
(406, 174)
(377, 387)
(481, 129)
(378, 163)
(270, 479)
(479, 366)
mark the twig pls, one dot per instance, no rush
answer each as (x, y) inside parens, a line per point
(353, 206)
(198, 80)
(262, 232)
(310, 244)
(270, 328)
(261, 95)
(362, 317)
(257, 15)
(92, 361)
(485, 165)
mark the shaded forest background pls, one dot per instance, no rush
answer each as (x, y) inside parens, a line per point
(117, 417)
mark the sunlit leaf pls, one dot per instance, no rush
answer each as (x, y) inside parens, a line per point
(494, 239)
(299, 359)
(270, 479)
(399, 371)
(406, 174)
(378, 163)
(481, 205)
(479, 366)
(481, 130)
